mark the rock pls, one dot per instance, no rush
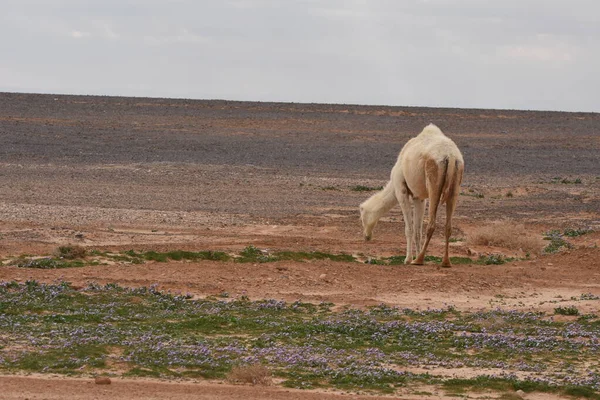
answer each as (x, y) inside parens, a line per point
(322, 276)
(102, 380)
(520, 393)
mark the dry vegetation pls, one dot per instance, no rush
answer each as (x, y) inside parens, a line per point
(255, 374)
(507, 234)
(70, 252)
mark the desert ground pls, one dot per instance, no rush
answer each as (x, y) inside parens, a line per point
(113, 174)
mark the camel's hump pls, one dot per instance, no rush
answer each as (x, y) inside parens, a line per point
(432, 128)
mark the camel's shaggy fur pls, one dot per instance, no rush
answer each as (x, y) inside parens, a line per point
(430, 166)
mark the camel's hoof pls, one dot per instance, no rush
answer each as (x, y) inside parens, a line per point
(416, 262)
(446, 265)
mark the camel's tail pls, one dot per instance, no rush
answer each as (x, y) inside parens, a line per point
(452, 178)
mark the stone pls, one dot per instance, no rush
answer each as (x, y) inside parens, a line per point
(102, 380)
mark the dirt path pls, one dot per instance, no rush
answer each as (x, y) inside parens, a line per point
(58, 388)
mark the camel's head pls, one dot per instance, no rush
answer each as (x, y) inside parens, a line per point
(369, 220)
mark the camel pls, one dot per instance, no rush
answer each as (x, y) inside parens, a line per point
(430, 166)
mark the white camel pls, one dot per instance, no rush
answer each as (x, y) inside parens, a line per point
(430, 166)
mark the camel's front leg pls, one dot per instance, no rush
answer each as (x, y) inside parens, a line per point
(405, 205)
(418, 223)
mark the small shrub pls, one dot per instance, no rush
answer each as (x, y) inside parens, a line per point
(71, 252)
(570, 232)
(375, 261)
(555, 246)
(570, 310)
(556, 242)
(566, 181)
(254, 374)
(589, 296)
(251, 252)
(586, 317)
(506, 234)
(492, 259)
(254, 254)
(509, 194)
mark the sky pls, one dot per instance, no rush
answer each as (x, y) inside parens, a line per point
(508, 54)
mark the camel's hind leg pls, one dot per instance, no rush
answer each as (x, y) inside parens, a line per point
(450, 207)
(451, 201)
(435, 184)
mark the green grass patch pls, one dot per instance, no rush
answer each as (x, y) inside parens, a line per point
(253, 254)
(57, 361)
(570, 310)
(250, 254)
(361, 188)
(177, 255)
(556, 242)
(503, 384)
(566, 181)
(314, 255)
(473, 194)
(398, 260)
(574, 232)
(46, 263)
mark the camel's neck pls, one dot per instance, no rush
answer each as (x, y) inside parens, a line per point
(381, 202)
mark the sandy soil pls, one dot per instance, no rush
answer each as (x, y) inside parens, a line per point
(59, 388)
(157, 174)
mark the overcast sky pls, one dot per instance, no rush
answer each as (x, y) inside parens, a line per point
(516, 54)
